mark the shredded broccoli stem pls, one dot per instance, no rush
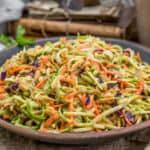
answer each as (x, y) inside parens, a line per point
(76, 85)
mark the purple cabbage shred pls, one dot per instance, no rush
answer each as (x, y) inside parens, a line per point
(119, 112)
(100, 80)
(32, 73)
(14, 86)
(111, 85)
(118, 94)
(3, 75)
(130, 117)
(87, 102)
(35, 63)
(126, 52)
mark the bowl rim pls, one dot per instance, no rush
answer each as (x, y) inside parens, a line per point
(77, 138)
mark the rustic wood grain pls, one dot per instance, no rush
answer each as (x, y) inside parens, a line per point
(10, 141)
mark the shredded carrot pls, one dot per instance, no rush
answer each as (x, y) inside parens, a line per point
(92, 61)
(64, 55)
(107, 72)
(70, 95)
(122, 83)
(110, 97)
(40, 47)
(111, 66)
(138, 57)
(62, 125)
(45, 59)
(51, 66)
(126, 119)
(73, 75)
(71, 108)
(105, 89)
(63, 40)
(58, 105)
(18, 69)
(147, 79)
(67, 80)
(2, 90)
(64, 62)
(83, 99)
(6, 116)
(96, 108)
(51, 103)
(108, 47)
(102, 67)
(98, 130)
(2, 96)
(125, 66)
(56, 45)
(49, 112)
(140, 87)
(50, 120)
(2, 83)
(14, 112)
(41, 84)
(82, 46)
(63, 71)
(113, 73)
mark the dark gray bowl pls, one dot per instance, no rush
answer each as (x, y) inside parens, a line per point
(78, 138)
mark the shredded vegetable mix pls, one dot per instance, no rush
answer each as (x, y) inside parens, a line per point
(76, 85)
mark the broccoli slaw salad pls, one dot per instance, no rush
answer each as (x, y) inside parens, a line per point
(76, 85)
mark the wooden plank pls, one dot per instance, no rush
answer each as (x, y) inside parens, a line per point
(39, 25)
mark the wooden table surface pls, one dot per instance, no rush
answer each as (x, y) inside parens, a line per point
(10, 141)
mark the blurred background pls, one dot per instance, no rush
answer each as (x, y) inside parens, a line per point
(124, 19)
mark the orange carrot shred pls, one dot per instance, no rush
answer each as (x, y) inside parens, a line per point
(111, 66)
(96, 108)
(70, 95)
(50, 120)
(71, 108)
(14, 112)
(138, 57)
(2, 90)
(67, 80)
(83, 99)
(140, 87)
(63, 40)
(63, 71)
(62, 126)
(41, 84)
(126, 119)
(21, 68)
(72, 76)
(45, 59)
(2, 96)
(6, 116)
(58, 105)
(82, 46)
(2, 83)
